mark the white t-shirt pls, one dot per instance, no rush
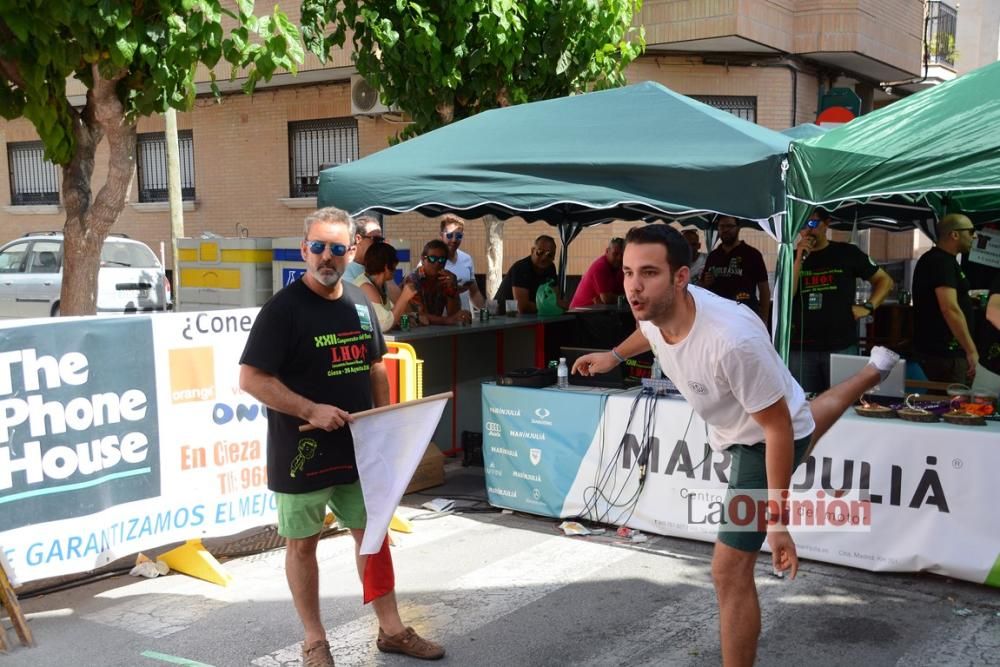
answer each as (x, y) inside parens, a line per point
(465, 272)
(727, 369)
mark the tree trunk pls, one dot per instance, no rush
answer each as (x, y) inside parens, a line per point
(494, 254)
(88, 221)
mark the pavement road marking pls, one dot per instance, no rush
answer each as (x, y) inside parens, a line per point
(173, 659)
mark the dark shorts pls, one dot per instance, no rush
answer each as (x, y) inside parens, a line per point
(748, 476)
(301, 515)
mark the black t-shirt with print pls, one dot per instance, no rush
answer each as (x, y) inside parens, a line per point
(323, 350)
(522, 274)
(989, 351)
(822, 319)
(931, 335)
(736, 273)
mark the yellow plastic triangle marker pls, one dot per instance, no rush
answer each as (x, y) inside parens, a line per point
(193, 559)
(400, 524)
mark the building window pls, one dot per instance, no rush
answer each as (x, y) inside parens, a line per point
(151, 165)
(941, 19)
(33, 179)
(741, 106)
(315, 145)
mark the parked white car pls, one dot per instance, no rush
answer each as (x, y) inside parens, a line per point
(131, 278)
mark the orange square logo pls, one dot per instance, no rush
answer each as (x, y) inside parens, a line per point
(192, 374)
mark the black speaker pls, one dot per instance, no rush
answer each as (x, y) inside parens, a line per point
(472, 449)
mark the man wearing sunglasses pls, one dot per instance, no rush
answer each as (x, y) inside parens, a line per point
(436, 300)
(526, 275)
(314, 357)
(824, 312)
(603, 281)
(942, 307)
(460, 262)
(369, 232)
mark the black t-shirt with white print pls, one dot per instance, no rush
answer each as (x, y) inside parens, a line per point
(323, 350)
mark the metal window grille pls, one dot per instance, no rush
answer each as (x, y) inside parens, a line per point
(33, 179)
(314, 144)
(941, 40)
(151, 165)
(741, 106)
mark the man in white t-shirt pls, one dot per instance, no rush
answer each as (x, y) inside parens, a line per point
(721, 358)
(460, 262)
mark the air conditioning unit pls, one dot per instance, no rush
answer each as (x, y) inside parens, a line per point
(365, 100)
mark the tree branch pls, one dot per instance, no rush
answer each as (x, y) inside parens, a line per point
(109, 116)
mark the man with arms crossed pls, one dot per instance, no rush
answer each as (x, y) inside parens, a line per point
(720, 356)
(314, 356)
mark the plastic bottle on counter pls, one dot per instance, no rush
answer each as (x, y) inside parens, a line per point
(562, 374)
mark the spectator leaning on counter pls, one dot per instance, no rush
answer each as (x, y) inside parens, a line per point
(736, 270)
(380, 265)
(942, 306)
(436, 300)
(527, 274)
(603, 281)
(824, 315)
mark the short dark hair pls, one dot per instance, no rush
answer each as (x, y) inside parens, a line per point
(380, 256)
(436, 244)
(544, 237)
(678, 249)
(821, 214)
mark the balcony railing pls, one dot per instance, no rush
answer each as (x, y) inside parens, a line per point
(942, 19)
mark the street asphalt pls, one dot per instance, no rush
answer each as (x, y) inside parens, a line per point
(507, 589)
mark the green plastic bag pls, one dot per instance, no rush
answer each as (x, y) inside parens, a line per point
(546, 301)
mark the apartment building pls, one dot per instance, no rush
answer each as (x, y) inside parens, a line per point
(249, 163)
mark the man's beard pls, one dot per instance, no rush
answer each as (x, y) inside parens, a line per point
(327, 279)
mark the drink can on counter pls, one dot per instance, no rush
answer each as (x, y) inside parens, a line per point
(404, 322)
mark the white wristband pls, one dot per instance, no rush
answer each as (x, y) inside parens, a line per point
(614, 353)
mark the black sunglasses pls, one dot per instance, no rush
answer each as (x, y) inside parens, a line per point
(436, 259)
(318, 247)
(457, 236)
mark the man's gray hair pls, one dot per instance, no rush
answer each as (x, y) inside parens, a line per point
(331, 214)
(365, 224)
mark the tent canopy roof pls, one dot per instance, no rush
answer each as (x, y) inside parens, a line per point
(625, 153)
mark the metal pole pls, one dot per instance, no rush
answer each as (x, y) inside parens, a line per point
(174, 197)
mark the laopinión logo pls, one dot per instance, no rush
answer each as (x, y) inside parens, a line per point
(78, 420)
(753, 510)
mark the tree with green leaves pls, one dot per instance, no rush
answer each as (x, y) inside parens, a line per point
(441, 61)
(135, 59)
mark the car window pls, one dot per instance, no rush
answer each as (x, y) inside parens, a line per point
(122, 253)
(46, 256)
(12, 259)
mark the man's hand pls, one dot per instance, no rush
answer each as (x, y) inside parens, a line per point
(859, 312)
(783, 555)
(408, 292)
(461, 317)
(328, 417)
(972, 358)
(595, 363)
(707, 278)
(805, 245)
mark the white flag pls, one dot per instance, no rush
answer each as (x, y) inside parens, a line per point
(388, 444)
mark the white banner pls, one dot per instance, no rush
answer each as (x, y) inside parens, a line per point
(986, 248)
(930, 487)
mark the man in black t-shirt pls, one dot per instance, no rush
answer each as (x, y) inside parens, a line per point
(824, 312)
(942, 306)
(988, 372)
(527, 274)
(736, 270)
(313, 357)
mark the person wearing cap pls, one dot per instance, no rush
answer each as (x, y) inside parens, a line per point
(942, 307)
(697, 257)
(736, 271)
(603, 282)
(824, 312)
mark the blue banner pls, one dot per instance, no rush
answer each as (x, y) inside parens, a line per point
(534, 441)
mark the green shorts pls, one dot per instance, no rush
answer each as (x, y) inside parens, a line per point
(300, 515)
(748, 476)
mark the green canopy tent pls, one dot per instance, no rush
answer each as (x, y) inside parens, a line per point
(627, 153)
(913, 161)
